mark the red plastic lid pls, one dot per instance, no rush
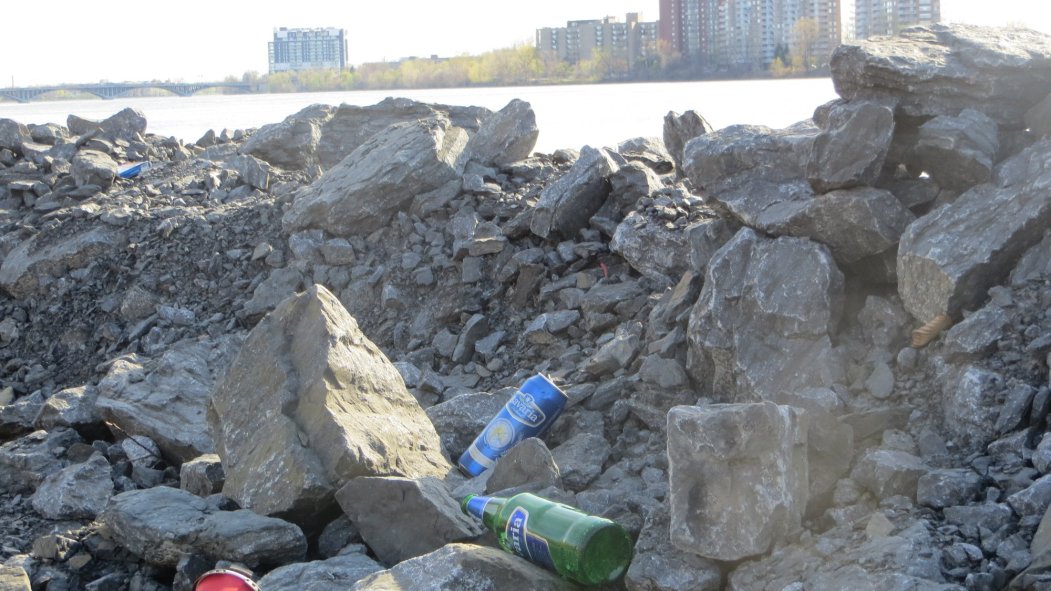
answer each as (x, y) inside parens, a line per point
(224, 580)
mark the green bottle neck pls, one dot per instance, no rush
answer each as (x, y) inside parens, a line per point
(484, 508)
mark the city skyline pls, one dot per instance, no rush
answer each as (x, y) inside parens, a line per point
(103, 40)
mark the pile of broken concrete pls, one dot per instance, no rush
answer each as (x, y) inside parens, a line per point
(270, 347)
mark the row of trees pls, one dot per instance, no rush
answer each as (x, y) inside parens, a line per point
(522, 65)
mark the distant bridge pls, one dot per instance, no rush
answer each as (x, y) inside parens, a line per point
(108, 90)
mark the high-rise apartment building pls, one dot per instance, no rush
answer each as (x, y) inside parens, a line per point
(308, 49)
(747, 34)
(627, 41)
(888, 17)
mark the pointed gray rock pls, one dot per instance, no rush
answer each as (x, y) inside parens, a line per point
(851, 149)
(326, 406)
(566, 205)
(651, 248)
(336, 573)
(293, 143)
(12, 134)
(680, 129)
(507, 136)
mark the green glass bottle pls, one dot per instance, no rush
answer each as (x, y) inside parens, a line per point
(582, 548)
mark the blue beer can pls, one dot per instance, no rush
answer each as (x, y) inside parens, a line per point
(529, 413)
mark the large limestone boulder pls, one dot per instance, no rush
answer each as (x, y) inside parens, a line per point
(949, 258)
(566, 205)
(381, 177)
(851, 148)
(463, 566)
(32, 264)
(310, 403)
(292, 143)
(762, 322)
(162, 524)
(737, 477)
(507, 136)
(351, 125)
(943, 69)
(653, 248)
(166, 399)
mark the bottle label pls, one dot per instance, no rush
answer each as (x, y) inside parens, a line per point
(529, 546)
(523, 407)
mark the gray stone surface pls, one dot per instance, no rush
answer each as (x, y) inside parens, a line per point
(79, 491)
(292, 143)
(680, 129)
(943, 69)
(1038, 119)
(659, 566)
(16, 418)
(395, 531)
(381, 177)
(25, 462)
(14, 578)
(462, 418)
(969, 406)
(617, 354)
(202, 475)
(70, 407)
(738, 477)
(91, 167)
(958, 152)
(12, 134)
(886, 473)
(1033, 500)
(648, 151)
(161, 524)
(851, 147)
(949, 258)
(1035, 263)
(529, 466)
(329, 407)
(334, 574)
(977, 334)
(351, 126)
(165, 399)
(464, 566)
(253, 171)
(566, 205)
(126, 124)
(631, 182)
(947, 487)
(31, 264)
(752, 285)
(580, 459)
(280, 284)
(506, 136)
(651, 247)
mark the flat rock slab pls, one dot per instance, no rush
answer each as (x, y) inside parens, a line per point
(336, 573)
(737, 477)
(80, 491)
(943, 69)
(310, 403)
(949, 258)
(32, 264)
(161, 524)
(463, 566)
(381, 177)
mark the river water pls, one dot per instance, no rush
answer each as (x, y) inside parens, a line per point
(568, 116)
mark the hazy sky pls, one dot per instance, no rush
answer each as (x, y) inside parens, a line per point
(48, 42)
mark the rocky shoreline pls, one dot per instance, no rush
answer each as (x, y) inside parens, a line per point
(270, 347)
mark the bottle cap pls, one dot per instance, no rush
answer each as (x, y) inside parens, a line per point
(474, 505)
